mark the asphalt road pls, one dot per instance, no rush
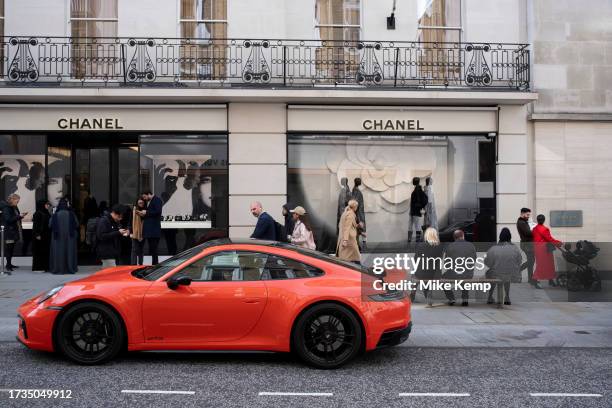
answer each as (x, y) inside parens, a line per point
(475, 377)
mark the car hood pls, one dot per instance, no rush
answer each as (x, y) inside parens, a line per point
(114, 274)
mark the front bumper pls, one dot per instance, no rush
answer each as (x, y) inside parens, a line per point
(394, 337)
(35, 329)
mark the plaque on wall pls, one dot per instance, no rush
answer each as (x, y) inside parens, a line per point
(566, 218)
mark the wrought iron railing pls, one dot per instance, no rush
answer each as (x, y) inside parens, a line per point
(263, 63)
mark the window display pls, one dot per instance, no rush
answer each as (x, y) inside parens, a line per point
(189, 174)
(22, 171)
(383, 172)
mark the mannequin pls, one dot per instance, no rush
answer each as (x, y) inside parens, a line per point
(431, 216)
(361, 221)
(343, 198)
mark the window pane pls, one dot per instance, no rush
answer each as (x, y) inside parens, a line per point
(386, 166)
(341, 12)
(93, 9)
(189, 174)
(22, 170)
(204, 9)
(443, 13)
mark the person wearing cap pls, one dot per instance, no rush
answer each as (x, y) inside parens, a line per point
(302, 230)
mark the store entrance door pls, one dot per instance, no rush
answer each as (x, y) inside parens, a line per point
(94, 172)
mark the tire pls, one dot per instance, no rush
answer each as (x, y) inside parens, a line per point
(89, 333)
(562, 279)
(327, 336)
(574, 284)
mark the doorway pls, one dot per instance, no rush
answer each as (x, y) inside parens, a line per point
(95, 171)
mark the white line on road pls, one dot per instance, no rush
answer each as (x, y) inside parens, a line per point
(157, 392)
(434, 394)
(298, 394)
(562, 394)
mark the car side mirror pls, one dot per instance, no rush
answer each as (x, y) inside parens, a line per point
(174, 282)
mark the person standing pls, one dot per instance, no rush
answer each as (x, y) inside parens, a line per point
(504, 262)
(431, 253)
(544, 246)
(459, 251)
(151, 226)
(11, 220)
(357, 195)
(289, 220)
(108, 237)
(524, 230)
(42, 236)
(266, 226)
(418, 202)
(302, 232)
(346, 247)
(64, 233)
(137, 257)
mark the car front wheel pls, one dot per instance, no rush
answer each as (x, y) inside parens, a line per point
(327, 335)
(89, 333)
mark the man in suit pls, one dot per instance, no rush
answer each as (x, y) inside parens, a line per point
(151, 224)
(265, 227)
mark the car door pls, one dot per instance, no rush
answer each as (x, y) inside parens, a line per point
(224, 301)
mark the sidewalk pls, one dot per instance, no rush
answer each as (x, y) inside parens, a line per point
(536, 318)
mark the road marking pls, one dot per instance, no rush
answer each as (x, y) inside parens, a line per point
(298, 394)
(434, 394)
(562, 394)
(157, 392)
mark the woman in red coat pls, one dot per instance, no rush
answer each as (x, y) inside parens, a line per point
(545, 261)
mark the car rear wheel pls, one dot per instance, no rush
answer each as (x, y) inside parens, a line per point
(89, 333)
(327, 336)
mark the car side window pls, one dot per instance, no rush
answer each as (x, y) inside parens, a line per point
(227, 266)
(278, 267)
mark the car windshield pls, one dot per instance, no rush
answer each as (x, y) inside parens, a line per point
(155, 272)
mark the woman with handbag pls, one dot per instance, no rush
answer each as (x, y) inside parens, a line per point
(544, 246)
(504, 261)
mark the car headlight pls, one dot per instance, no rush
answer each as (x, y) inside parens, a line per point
(389, 296)
(48, 294)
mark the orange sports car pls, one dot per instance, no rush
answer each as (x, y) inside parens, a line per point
(221, 295)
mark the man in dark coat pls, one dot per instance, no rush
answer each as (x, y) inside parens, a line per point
(151, 224)
(289, 223)
(418, 201)
(11, 220)
(266, 226)
(108, 236)
(463, 255)
(524, 230)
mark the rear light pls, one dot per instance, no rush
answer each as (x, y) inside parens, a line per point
(388, 296)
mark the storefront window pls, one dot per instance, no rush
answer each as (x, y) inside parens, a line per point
(189, 173)
(22, 170)
(446, 167)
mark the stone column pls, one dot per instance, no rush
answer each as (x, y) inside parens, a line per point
(257, 163)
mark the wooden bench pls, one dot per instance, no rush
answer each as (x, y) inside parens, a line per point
(498, 282)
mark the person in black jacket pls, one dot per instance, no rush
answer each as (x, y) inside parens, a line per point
(418, 202)
(41, 232)
(11, 220)
(524, 230)
(462, 253)
(266, 226)
(151, 224)
(108, 236)
(289, 223)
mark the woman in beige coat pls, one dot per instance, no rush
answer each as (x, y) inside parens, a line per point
(347, 248)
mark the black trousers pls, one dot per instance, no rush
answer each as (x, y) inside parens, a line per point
(137, 256)
(8, 252)
(529, 264)
(153, 243)
(465, 294)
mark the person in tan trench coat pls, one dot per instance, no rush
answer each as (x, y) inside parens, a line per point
(347, 248)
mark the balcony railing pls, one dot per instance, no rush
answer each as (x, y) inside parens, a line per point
(208, 63)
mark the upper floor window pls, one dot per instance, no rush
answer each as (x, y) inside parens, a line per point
(338, 20)
(439, 21)
(93, 18)
(203, 20)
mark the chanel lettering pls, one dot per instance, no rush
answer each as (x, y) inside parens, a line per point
(393, 125)
(94, 123)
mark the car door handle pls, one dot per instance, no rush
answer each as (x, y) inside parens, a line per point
(252, 300)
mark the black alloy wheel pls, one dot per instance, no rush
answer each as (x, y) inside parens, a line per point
(89, 333)
(327, 336)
